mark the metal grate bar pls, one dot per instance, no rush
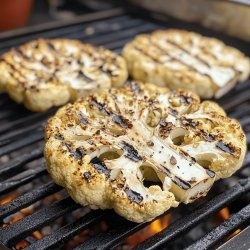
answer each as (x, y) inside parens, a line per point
(223, 230)
(65, 233)
(35, 136)
(6, 114)
(28, 198)
(24, 121)
(106, 240)
(35, 221)
(21, 160)
(189, 221)
(98, 26)
(39, 29)
(241, 112)
(29, 175)
(121, 34)
(238, 99)
(18, 134)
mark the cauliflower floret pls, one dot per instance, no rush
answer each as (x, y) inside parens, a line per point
(183, 59)
(105, 149)
(46, 73)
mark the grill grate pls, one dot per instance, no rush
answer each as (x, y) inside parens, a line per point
(20, 128)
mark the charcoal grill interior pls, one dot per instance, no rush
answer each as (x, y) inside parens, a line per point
(21, 144)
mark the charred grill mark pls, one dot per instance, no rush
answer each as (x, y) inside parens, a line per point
(99, 105)
(147, 55)
(182, 184)
(20, 52)
(84, 77)
(166, 171)
(186, 51)
(82, 119)
(131, 152)
(100, 166)
(78, 153)
(118, 119)
(210, 173)
(124, 123)
(15, 69)
(133, 196)
(59, 137)
(225, 147)
(87, 176)
(180, 61)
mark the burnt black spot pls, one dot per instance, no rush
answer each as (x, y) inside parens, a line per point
(87, 175)
(124, 123)
(82, 119)
(165, 127)
(184, 185)
(120, 185)
(193, 160)
(135, 88)
(84, 76)
(208, 137)
(210, 173)
(148, 184)
(186, 99)
(133, 196)
(99, 105)
(150, 143)
(79, 153)
(59, 137)
(131, 152)
(190, 123)
(225, 147)
(50, 46)
(173, 112)
(192, 180)
(100, 166)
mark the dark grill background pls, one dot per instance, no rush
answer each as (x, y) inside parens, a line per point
(20, 128)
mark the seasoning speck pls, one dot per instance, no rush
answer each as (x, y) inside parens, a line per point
(173, 161)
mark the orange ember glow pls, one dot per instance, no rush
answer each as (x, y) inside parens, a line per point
(223, 215)
(18, 216)
(8, 199)
(155, 227)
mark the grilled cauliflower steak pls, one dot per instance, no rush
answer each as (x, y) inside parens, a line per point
(104, 149)
(182, 59)
(45, 73)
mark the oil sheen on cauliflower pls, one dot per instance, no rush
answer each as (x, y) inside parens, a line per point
(141, 149)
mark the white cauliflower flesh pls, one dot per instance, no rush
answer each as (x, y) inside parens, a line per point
(46, 73)
(105, 149)
(183, 59)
